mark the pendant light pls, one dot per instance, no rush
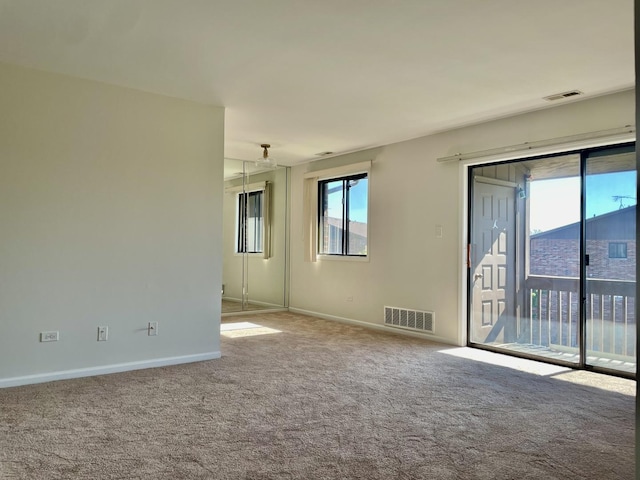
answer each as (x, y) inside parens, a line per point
(266, 160)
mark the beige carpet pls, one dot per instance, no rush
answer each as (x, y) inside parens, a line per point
(296, 397)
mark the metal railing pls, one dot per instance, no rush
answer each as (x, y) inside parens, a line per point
(552, 315)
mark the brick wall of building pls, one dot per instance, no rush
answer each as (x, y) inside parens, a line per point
(560, 258)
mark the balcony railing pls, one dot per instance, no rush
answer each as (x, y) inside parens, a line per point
(553, 309)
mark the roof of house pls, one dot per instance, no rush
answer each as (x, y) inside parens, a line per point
(616, 225)
(355, 228)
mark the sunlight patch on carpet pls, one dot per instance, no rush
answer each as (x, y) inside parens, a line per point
(565, 374)
(522, 364)
(245, 329)
(595, 380)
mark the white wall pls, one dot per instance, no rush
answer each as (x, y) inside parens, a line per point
(411, 193)
(110, 214)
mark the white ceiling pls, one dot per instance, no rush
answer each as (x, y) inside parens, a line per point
(310, 76)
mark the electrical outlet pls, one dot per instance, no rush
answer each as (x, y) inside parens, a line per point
(53, 336)
(152, 329)
(349, 299)
(103, 334)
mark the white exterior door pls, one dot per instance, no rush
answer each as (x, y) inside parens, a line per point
(492, 261)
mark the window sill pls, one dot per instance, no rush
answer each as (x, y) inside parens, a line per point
(342, 258)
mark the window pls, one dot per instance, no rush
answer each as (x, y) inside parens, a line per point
(343, 215)
(617, 250)
(250, 222)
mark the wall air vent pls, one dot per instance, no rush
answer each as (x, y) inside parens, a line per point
(416, 320)
(560, 96)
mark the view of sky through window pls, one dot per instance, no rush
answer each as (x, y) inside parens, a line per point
(556, 202)
(358, 203)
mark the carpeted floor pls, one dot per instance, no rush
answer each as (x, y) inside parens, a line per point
(296, 397)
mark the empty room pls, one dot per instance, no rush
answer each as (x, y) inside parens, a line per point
(317, 240)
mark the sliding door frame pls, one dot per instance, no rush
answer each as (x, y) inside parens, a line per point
(468, 185)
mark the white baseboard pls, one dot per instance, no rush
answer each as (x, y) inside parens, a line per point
(375, 326)
(232, 299)
(106, 369)
(254, 302)
(265, 304)
(257, 312)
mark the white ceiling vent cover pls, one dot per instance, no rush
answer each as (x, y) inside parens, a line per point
(560, 96)
(417, 320)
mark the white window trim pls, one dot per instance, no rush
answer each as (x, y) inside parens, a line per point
(343, 258)
(250, 187)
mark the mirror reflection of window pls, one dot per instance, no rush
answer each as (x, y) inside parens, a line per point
(250, 222)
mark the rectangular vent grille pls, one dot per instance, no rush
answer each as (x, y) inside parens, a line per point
(417, 320)
(560, 96)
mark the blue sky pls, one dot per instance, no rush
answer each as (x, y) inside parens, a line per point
(358, 203)
(557, 202)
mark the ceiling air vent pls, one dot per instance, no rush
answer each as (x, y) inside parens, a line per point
(560, 96)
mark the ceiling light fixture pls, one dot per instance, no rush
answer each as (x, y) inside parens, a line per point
(266, 160)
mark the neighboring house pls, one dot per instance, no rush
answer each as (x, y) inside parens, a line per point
(610, 244)
(357, 236)
(610, 294)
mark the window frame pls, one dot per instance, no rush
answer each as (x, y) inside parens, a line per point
(344, 244)
(241, 207)
(617, 246)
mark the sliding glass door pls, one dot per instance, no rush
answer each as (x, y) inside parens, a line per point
(544, 234)
(610, 258)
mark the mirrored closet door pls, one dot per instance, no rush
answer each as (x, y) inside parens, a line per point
(255, 237)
